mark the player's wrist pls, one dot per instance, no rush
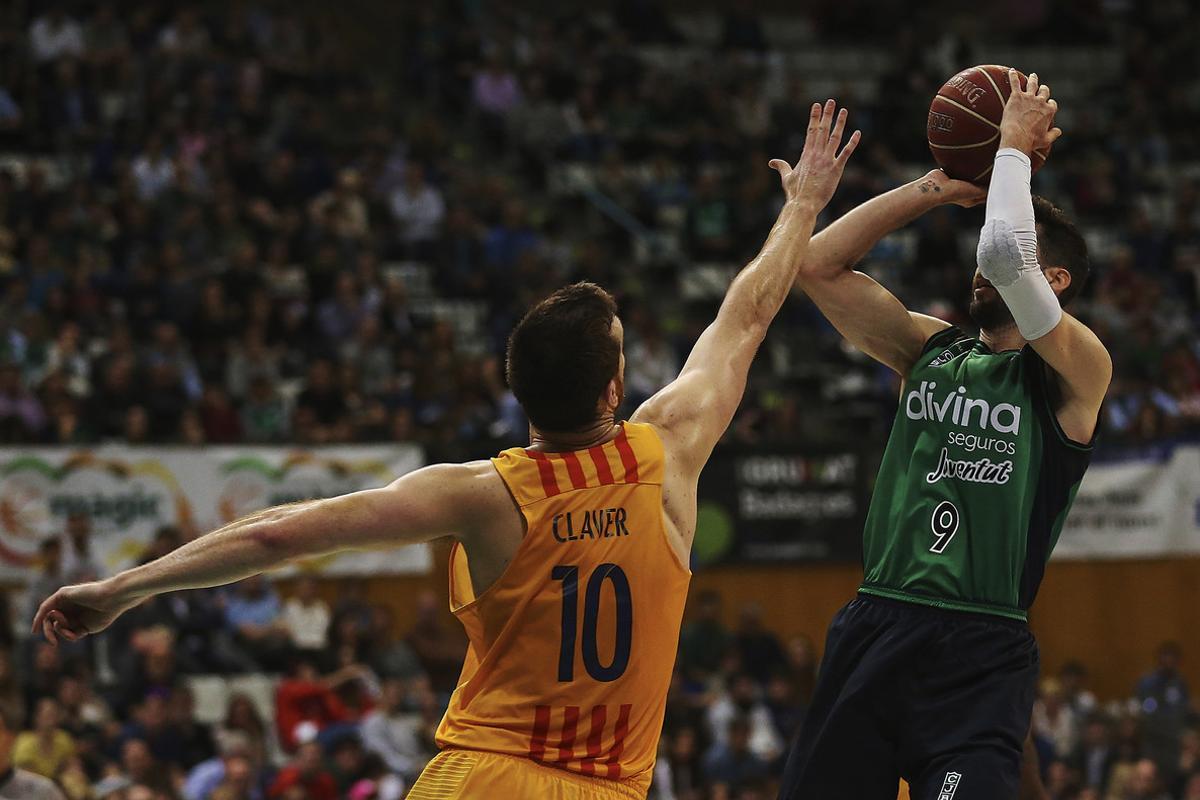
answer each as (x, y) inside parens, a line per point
(1016, 138)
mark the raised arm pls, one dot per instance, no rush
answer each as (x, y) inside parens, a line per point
(426, 504)
(867, 314)
(1009, 259)
(693, 411)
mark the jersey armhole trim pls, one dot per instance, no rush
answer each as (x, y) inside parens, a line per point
(662, 508)
(1044, 377)
(951, 335)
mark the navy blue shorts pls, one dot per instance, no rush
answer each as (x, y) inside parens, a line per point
(939, 698)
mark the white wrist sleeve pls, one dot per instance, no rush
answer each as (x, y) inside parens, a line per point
(1007, 252)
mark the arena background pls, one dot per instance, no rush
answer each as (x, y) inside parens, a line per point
(257, 252)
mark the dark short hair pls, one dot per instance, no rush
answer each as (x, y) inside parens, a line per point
(1061, 245)
(561, 356)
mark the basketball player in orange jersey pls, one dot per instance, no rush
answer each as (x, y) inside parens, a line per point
(569, 568)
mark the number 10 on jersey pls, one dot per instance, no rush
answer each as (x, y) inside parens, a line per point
(569, 576)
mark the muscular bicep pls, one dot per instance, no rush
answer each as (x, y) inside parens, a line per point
(873, 319)
(426, 504)
(1083, 369)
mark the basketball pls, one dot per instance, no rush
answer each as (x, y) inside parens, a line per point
(964, 122)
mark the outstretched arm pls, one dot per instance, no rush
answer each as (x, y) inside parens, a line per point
(693, 411)
(1008, 258)
(868, 315)
(426, 504)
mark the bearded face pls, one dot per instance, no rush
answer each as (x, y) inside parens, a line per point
(987, 308)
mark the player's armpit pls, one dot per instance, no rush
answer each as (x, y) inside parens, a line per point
(1083, 368)
(873, 319)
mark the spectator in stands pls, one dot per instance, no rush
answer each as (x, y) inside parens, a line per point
(1145, 783)
(54, 35)
(1166, 705)
(703, 639)
(49, 576)
(305, 771)
(254, 615)
(1072, 678)
(142, 768)
(1054, 719)
(46, 748)
(306, 616)
(387, 655)
(685, 764)
(732, 763)
(741, 701)
(652, 363)
(1096, 755)
(243, 722)
(397, 733)
(264, 416)
(17, 783)
(79, 563)
(306, 702)
(11, 695)
(347, 762)
(321, 408)
(21, 415)
(196, 740)
(759, 648)
(439, 647)
(234, 761)
(418, 208)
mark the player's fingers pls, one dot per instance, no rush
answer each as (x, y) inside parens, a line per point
(48, 631)
(1044, 91)
(1014, 82)
(839, 127)
(1053, 134)
(826, 121)
(69, 635)
(1031, 85)
(848, 150)
(814, 119)
(1053, 105)
(779, 165)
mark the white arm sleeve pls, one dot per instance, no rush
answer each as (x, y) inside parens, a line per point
(1007, 252)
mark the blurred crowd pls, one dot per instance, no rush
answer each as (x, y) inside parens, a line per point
(202, 207)
(264, 691)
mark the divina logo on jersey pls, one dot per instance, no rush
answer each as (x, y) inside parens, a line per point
(921, 403)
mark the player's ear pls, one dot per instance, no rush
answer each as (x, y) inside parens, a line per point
(1059, 278)
(612, 394)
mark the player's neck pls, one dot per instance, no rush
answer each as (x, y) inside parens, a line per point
(1000, 339)
(601, 431)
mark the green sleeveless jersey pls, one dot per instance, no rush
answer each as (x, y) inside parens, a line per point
(975, 482)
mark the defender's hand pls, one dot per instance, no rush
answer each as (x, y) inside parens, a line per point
(1028, 118)
(943, 189)
(815, 177)
(73, 612)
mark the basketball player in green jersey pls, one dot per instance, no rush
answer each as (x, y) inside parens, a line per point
(929, 674)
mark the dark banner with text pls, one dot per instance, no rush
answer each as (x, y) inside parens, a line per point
(760, 506)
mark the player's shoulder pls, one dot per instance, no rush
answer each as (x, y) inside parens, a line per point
(474, 487)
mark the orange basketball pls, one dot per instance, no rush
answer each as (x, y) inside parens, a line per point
(964, 122)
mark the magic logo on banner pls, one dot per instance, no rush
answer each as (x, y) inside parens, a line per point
(128, 493)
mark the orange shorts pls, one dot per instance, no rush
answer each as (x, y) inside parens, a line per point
(475, 775)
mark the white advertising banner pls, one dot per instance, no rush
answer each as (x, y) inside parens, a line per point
(1146, 507)
(129, 493)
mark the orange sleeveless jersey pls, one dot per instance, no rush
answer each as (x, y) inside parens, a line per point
(572, 649)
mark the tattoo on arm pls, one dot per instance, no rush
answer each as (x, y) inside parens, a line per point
(927, 186)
